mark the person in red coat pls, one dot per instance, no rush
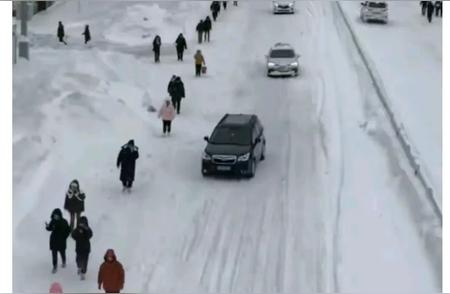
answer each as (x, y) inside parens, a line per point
(111, 274)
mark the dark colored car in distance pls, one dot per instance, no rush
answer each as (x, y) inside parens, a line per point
(235, 147)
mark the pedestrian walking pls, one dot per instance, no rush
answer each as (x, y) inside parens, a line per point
(181, 46)
(157, 47)
(56, 288)
(235, 3)
(207, 25)
(438, 8)
(126, 160)
(224, 5)
(82, 236)
(60, 33)
(176, 92)
(424, 4)
(60, 231)
(167, 114)
(215, 9)
(199, 62)
(200, 29)
(430, 10)
(74, 202)
(87, 34)
(111, 274)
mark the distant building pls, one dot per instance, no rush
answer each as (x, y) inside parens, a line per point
(36, 6)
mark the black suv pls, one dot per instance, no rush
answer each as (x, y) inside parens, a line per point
(236, 145)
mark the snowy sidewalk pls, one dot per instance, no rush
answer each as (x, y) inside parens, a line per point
(416, 95)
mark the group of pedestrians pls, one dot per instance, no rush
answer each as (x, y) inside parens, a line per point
(111, 275)
(203, 29)
(429, 8)
(61, 34)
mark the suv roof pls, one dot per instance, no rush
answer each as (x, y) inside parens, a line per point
(282, 46)
(237, 119)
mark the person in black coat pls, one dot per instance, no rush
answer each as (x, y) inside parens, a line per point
(157, 47)
(60, 231)
(180, 45)
(224, 5)
(215, 8)
(207, 25)
(235, 3)
(430, 10)
(126, 160)
(87, 34)
(60, 33)
(82, 235)
(176, 91)
(200, 29)
(74, 202)
(424, 4)
(438, 8)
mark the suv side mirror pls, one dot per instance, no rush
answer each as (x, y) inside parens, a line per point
(258, 140)
(206, 138)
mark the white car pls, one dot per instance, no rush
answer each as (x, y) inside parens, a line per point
(374, 11)
(285, 6)
(282, 60)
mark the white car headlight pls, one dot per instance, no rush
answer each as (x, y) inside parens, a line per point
(244, 157)
(291, 4)
(206, 156)
(294, 64)
(270, 64)
(275, 4)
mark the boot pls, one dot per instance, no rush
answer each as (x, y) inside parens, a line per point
(82, 277)
(54, 270)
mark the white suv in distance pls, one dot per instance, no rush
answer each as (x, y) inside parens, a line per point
(285, 6)
(282, 60)
(374, 11)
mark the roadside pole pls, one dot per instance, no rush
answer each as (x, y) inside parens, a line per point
(23, 39)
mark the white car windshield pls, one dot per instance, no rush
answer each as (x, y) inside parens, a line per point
(282, 53)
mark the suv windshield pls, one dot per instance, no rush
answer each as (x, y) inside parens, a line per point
(235, 135)
(377, 4)
(282, 53)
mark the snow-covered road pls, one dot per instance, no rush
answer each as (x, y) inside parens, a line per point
(330, 209)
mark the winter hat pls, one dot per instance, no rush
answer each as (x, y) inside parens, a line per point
(110, 252)
(56, 288)
(57, 212)
(84, 220)
(73, 183)
(131, 142)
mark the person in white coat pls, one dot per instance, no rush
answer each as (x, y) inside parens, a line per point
(167, 114)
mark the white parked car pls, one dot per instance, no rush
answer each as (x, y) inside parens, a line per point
(374, 11)
(283, 6)
(282, 60)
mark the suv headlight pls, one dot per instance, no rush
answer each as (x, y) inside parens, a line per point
(275, 4)
(244, 157)
(206, 156)
(291, 4)
(270, 64)
(294, 64)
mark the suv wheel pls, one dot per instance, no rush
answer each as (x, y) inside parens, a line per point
(252, 168)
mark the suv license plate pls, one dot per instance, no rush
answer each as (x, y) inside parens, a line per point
(223, 168)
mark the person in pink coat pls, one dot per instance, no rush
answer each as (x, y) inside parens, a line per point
(56, 288)
(167, 114)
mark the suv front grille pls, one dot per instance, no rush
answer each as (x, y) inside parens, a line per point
(224, 159)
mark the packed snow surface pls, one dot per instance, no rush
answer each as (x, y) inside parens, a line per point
(334, 207)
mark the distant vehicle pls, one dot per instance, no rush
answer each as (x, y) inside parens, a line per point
(285, 6)
(374, 11)
(235, 147)
(282, 60)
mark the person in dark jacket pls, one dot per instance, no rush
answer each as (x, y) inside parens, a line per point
(224, 5)
(176, 91)
(60, 231)
(438, 8)
(157, 47)
(82, 235)
(215, 9)
(74, 202)
(200, 29)
(111, 274)
(87, 34)
(180, 45)
(424, 4)
(235, 3)
(126, 160)
(430, 10)
(60, 33)
(207, 25)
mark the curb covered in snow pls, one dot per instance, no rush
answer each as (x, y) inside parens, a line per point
(400, 131)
